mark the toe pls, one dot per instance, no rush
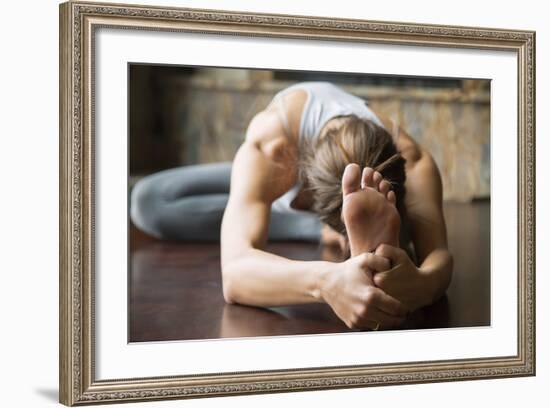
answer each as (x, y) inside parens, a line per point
(366, 178)
(384, 187)
(391, 197)
(376, 180)
(351, 178)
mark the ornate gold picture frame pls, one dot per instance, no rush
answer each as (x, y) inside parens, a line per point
(78, 24)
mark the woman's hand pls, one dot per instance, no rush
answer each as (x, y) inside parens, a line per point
(404, 281)
(350, 291)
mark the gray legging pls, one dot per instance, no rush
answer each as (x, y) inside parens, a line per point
(187, 203)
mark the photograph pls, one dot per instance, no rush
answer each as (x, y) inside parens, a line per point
(277, 202)
(259, 203)
(295, 203)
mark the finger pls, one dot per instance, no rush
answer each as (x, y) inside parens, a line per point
(378, 319)
(384, 278)
(388, 304)
(380, 279)
(394, 254)
(386, 320)
(366, 178)
(376, 263)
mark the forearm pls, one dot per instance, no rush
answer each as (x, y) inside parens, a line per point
(437, 269)
(259, 278)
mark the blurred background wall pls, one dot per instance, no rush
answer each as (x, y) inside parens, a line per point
(183, 115)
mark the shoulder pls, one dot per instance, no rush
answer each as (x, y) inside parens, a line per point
(409, 148)
(423, 164)
(295, 99)
(267, 129)
(265, 164)
(423, 184)
(420, 165)
(266, 133)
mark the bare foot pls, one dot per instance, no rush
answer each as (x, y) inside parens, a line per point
(368, 210)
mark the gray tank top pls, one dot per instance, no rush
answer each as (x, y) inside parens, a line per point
(324, 102)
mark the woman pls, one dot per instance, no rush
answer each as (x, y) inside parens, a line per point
(315, 156)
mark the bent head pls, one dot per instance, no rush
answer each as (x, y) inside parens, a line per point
(349, 139)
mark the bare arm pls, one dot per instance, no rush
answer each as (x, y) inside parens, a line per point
(261, 173)
(424, 202)
(251, 275)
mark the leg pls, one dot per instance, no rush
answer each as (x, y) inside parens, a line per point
(187, 203)
(294, 227)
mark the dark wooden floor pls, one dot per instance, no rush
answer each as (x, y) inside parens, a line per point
(175, 288)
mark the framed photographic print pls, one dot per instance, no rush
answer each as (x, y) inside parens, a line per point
(256, 203)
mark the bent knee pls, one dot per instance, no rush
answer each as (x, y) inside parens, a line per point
(144, 205)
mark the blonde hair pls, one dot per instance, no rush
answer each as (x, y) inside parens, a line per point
(351, 140)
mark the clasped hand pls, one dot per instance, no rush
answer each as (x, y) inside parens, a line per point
(350, 291)
(404, 281)
(375, 290)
